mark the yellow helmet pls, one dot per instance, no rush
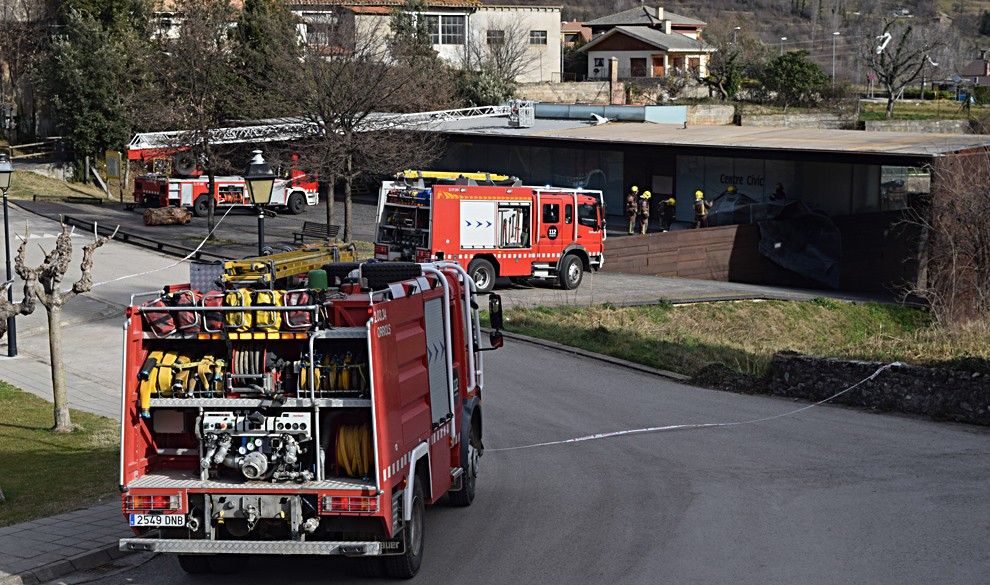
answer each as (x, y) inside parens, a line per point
(671, 201)
(731, 189)
(635, 189)
(646, 195)
(699, 195)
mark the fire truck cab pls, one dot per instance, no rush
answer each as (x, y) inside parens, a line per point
(517, 232)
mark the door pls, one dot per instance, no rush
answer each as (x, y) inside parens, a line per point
(658, 69)
(554, 235)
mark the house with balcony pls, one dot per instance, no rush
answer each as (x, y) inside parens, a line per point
(648, 42)
(454, 25)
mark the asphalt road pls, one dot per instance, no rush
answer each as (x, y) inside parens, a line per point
(831, 495)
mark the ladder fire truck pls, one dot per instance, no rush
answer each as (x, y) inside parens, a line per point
(490, 229)
(294, 411)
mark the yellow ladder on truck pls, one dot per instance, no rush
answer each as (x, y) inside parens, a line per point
(265, 270)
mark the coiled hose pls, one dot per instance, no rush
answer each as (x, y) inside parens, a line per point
(354, 455)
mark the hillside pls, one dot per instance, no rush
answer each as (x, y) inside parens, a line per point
(808, 24)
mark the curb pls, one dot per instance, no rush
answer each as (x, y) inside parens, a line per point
(595, 356)
(81, 562)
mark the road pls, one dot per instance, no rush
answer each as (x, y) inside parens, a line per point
(831, 495)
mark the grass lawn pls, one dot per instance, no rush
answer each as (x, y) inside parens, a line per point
(744, 336)
(917, 110)
(42, 473)
(27, 184)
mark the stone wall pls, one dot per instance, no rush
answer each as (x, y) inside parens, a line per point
(939, 393)
(814, 121)
(710, 115)
(572, 92)
(929, 126)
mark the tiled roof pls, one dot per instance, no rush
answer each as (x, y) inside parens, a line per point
(657, 38)
(643, 15)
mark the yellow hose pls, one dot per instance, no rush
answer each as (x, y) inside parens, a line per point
(354, 455)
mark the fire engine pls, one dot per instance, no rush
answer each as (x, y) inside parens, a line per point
(301, 411)
(491, 229)
(157, 190)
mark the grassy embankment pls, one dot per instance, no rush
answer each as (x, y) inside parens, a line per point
(43, 473)
(28, 185)
(744, 336)
(926, 110)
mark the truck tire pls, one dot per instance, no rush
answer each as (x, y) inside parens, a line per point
(380, 274)
(571, 272)
(195, 564)
(201, 207)
(483, 274)
(406, 565)
(296, 203)
(469, 477)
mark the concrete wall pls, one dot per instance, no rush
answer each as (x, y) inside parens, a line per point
(818, 121)
(939, 393)
(710, 115)
(930, 126)
(576, 92)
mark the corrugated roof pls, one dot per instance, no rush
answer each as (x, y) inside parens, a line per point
(643, 15)
(657, 38)
(902, 144)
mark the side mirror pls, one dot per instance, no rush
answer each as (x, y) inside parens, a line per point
(496, 340)
(495, 311)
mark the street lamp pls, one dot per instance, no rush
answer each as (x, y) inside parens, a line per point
(835, 35)
(260, 183)
(6, 170)
(782, 39)
(734, 32)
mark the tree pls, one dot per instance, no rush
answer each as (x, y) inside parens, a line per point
(899, 55)
(501, 51)
(46, 283)
(794, 79)
(267, 51)
(26, 306)
(97, 77)
(23, 36)
(737, 55)
(200, 84)
(349, 87)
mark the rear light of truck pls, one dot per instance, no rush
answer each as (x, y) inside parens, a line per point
(350, 503)
(152, 503)
(381, 251)
(423, 255)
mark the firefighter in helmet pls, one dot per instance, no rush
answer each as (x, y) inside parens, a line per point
(701, 207)
(631, 206)
(668, 212)
(644, 211)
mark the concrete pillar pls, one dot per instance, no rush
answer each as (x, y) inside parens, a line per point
(617, 91)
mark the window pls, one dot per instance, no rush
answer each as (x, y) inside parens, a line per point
(496, 37)
(599, 61)
(568, 214)
(537, 37)
(588, 215)
(637, 67)
(433, 27)
(452, 30)
(319, 28)
(551, 213)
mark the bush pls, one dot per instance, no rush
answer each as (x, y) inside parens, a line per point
(792, 79)
(981, 94)
(482, 89)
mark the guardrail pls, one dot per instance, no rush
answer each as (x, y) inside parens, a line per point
(142, 241)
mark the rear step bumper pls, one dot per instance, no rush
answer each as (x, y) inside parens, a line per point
(253, 547)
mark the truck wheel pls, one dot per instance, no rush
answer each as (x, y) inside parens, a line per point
(571, 272)
(469, 477)
(483, 274)
(201, 207)
(297, 203)
(195, 564)
(406, 565)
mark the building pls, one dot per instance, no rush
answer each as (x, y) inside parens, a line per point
(977, 71)
(458, 28)
(648, 42)
(574, 33)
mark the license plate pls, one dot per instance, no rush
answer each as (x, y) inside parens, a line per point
(159, 520)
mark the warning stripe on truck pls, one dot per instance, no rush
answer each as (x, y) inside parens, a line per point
(403, 462)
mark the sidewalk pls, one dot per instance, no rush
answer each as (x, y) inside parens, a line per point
(41, 550)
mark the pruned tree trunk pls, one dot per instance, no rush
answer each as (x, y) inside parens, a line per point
(348, 180)
(890, 104)
(211, 186)
(26, 306)
(60, 393)
(330, 194)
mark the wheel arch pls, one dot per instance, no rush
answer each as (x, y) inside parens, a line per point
(471, 413)
(491, 258)
(419, 461)
(578, 251)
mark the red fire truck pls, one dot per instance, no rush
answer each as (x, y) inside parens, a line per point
(517, 232)
(155, 190)
(317, 414)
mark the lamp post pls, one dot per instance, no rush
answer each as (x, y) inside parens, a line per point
(835, 35)
(6, 170)
(782, 39)
(260, 182)
(734, 32)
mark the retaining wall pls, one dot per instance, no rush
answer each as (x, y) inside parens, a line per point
(814, 121)
(928, 126)
(571, 92)
(939, 393)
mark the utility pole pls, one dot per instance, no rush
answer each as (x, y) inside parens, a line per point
(835, 35)
(782, 39)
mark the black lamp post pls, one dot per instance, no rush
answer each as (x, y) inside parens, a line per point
(6, 170)
(260, 183)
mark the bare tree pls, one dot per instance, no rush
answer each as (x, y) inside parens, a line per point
(22, 38)
(956, 224)
(46, 281)
(350, 87)
(26, 306)
(501, 51)
(899, 55)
